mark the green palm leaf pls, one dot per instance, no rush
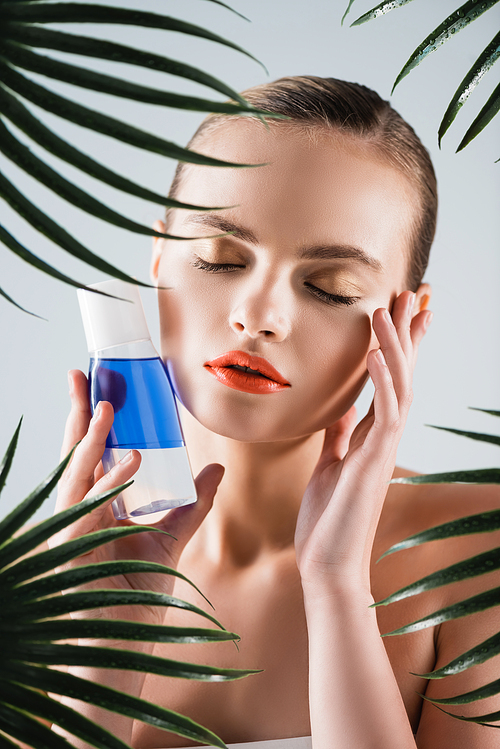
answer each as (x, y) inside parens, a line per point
(30, 624)
(473, 605)
(18, 249)
(69, 719)
(488, 690)
(126, 660)
(101, 123)
(20, 116)
(23, 57)
(480, 564)
(485, 411)
(455, 22)
(484, 522)
(104, 50)
(45, 225)
(7, 459)
(493, 439)
(379, 10)
(23, 29)
(72, 686)
(32, 165)
(78, 13)
(16, 722)
(473, 657)
(481, 720)
(473, 476)
(483, 64)
(23, 309)
(50, 631)
(484, 117)
(45, 586)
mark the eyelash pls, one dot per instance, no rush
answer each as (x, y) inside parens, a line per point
(229, 267)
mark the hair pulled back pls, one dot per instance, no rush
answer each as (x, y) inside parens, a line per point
(353, 109)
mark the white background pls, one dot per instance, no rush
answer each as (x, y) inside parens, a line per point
(459, 361)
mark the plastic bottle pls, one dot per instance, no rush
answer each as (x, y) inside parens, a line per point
(126, 370)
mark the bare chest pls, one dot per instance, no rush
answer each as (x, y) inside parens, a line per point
(266, 609)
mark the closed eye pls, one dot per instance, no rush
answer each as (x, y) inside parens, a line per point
(319, 293)
(331, 298)
(215, 267)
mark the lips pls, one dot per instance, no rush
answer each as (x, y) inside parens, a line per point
(250, 374)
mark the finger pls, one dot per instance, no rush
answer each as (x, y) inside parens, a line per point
(79, 417)
(78, 478)
(182, 522)
(120, 474)
(337, 437)
(387, 421)
(418, 329)
(400, 367)
(402, 313)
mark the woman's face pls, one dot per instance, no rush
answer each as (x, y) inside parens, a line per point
(321, 237)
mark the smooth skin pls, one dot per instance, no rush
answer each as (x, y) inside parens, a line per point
(288, 552)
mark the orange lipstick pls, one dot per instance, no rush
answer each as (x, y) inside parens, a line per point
(249, 374)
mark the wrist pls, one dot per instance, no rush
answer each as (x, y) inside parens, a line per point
(345, 593)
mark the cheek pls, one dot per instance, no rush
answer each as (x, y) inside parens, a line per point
(337, 366)
(191, 312)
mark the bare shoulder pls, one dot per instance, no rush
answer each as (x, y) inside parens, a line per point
(409, 510)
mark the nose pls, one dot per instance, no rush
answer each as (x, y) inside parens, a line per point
(260, 312)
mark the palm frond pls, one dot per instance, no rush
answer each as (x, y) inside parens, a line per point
(484, 117)
(483, 64)
(473, 657)
(473, 605)
(24, 29)
(493, 439)
(23, 309)
(22, 118)
(30, 626)
(7, 459)
(380, 10)
(484, 522)
(480, 564)
(475, 566)
(79, 13)
(55, 682)
(455, 22)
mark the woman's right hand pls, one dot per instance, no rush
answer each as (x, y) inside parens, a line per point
(84, 477)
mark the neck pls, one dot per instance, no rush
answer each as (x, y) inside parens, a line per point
(257, 502)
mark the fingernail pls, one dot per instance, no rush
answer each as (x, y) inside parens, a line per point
(411, 302)
(126, 457)
(387, 315)
(428, 319)
(97, 412)
(425, 302)
(70, 383)
(381, 358)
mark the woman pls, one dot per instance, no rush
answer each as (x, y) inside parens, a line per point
(317, 288)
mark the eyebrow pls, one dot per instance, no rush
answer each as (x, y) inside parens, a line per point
(319, 252)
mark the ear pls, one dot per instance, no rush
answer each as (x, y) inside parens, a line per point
(422, 298)
(157, 248)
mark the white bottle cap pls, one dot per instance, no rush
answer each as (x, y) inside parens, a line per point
(111, 322)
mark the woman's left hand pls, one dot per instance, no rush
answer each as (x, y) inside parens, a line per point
(341, 507)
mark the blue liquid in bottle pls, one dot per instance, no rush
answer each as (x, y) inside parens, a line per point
(145, 411)
(125, 370)
(145, 419)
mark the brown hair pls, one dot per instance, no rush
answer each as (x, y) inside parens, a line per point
(358, 111)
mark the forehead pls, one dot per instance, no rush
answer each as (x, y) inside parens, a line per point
(316, 186)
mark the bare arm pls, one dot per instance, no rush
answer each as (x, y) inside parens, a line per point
(84, 477)
(354, 697)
